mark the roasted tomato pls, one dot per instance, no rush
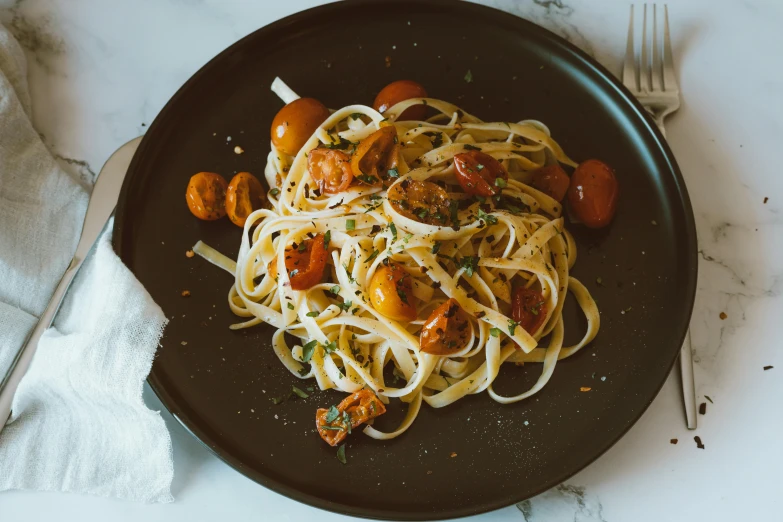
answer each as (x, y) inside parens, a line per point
(334, 424)
(528, 309)
(244, 195)
(375, 156)
(305, 263)
(593, 193)
(391, 293)
(398, 91)
(330, 169)
(423, 201)
(478, 173)
(446, 331)
(296, 122)
(552, 181)
(206, 196)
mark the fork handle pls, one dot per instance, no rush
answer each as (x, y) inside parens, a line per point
(688, 382)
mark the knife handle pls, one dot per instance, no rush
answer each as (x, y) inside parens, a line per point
(23, 358)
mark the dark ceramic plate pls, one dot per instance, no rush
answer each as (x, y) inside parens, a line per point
(220, 383)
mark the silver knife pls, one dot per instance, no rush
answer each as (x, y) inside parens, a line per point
(99, 210)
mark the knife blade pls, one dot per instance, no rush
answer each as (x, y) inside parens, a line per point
(100, 208)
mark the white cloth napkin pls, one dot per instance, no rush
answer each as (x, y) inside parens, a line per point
(79, 423)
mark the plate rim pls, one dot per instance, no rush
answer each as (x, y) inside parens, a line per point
(524, 26)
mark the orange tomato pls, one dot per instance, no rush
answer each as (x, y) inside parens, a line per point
(296, 122)
(422, 201)
(244, 195)
(330, 169)
(391, 293)
(446, 330)
(354, 410)
(375, 156)
(206, 196)
(305, 263)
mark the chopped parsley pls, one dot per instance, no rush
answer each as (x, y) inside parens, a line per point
(468, 76)
(356, 115)
(345, 306)
(393, 173)
(423, 213)
(366, 178)
(453, 210)
(327, 239)
(307, 350)
(332, 346)
(470, 264)
(435, 247)
(290, 306)
(350, 224)
(300, 393)
(479, 167)
(312, 314)
(437, 138)
(341, 454)
(468, 146)
(512, 325)
(342, 144)
(494, 332)
(351, 279)
(500, 182)
(332, 413)
(393, 229)
(274, 191)
(302, 247)
(335, 289)
(489, 218)
(372, 256)
(406, 238)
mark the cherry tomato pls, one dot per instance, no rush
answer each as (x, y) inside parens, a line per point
(206, 196)
(296, 122)
(331, 169)
(355, 409)
(593, 193)
(391, 293)
(398, 91)
(423, 201)
(478, 173)
(552, 181)
(244, 195)
(528, 308)
(305, 263)
(375, 156)
(446, 331)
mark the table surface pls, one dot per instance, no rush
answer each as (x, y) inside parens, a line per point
(100, 72)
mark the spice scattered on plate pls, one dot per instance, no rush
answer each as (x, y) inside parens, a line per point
(765, 200)
(698, 442)
(674, 441)
(703, 408)
(708, 398)
(190, 253)
(723, 316)
(238, 150)
(184, 343)
(585, 389)
(429, 473)
(388, 61)
(468, 76)
(186, 293)
(453, 454)
(768, 368)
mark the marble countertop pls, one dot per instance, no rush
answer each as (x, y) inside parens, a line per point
(100, 71)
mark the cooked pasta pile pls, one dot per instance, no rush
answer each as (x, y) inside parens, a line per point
(473, 249)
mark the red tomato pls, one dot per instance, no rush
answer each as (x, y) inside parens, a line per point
(305, 263)
(331, 169)
(357, 408)
(552, 181)
(446, 330)
(528, 309)
(398, 91)
(593, 193)
(478, 173)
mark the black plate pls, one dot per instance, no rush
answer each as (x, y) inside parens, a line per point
(220, 383)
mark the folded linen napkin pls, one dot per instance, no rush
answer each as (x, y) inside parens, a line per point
(79, 423)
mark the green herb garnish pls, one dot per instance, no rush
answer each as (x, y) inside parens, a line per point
(301, 393)
(470, 264)
(512, 325)
(274, 191)
(393, 173)
(312, 314)
(341, 454)
(290, 306)
(494, 332)
(372, 256)
(307, 350)
(366, 178)
(435, 247)
(489, 218)
(468, 146)
(335, 289)
(350, 224)
(345, 306)
(500, 182)
(468, 76)
(393, 229)
(332, 413)
(327, 239)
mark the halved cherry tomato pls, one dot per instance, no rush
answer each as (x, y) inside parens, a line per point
(355, 410)
(305, 263)
(528, 309)
(446, 331)
(477, 173)
(391, 293)
(206, 196)
(296, 122)
(375, 156)
(422, 201)
(552, 180)
(593, 193)
(398, 91)
(245, 194)
(331, 169)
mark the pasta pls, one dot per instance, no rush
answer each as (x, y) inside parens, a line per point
(478, 252)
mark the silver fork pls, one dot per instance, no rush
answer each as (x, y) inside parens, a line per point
(651, 79)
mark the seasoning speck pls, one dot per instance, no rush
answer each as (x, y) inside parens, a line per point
(228, 138)
(238, 150)
(468, 76)
(190, 253)
(603, 378)
(429, 473)
(698, 442)
(673, 441)
(453, 454)
(655, 223)
(585, 389)
(184, 343)
(765, 200)
(186, 293)
(708, 398)
(703, 408)
(388, 61)
(723, 316)
(768, 368)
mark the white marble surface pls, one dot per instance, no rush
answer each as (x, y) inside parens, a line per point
(99, 70)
